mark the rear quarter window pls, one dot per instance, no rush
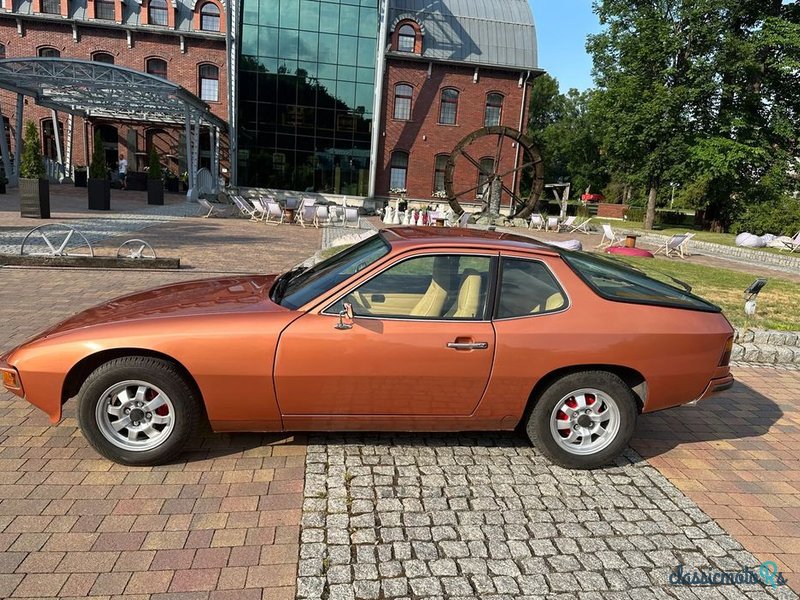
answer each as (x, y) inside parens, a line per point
(615, 281)
(527, 288)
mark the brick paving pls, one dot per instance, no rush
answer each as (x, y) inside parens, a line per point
(737, 456)
(423, 516)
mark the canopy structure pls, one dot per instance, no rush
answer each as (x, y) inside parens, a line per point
(95, 90)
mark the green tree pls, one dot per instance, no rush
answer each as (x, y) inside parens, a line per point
(154, 168)
(98, 169)
(31, 165)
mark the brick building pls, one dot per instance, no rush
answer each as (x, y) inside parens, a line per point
(183, 41)
(452, 68)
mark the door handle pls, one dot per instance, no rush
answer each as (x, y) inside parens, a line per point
(468, 345)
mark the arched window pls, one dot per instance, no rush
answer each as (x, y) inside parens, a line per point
(494, 109)
(487, 166)
(403, 94)
(448, 108)
(399, 170)
(439, 167)
(103, 57)
(49, 52)
(156, 66)
(2, 50)
(209, 17)
(51, 7)
(157, 12)
(406, 38)
(208, 84)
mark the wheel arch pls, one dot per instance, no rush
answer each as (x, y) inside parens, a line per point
(83, 368)
(631, 377)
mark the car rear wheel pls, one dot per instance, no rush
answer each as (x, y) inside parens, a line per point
(583, 420)
(137, 410)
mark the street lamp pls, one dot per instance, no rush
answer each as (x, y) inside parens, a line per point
(673, 185)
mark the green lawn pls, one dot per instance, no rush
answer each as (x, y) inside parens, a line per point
(777, 303)
(726, 239)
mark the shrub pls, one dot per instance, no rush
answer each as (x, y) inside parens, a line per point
(154, 170)
(781, 217)
(635, 213)
(98, 168)
(31, 165)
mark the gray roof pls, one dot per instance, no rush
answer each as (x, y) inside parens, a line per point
(484, 32)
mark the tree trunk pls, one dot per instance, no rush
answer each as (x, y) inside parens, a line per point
(650, 217)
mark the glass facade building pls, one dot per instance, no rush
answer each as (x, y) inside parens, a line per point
(305, 99)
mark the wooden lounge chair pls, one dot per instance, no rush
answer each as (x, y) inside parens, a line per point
(212, 210)
(536, 222)
(676, 246)
(581, 226)
(567, 223)
(609, 238)
(793, 245)
(245, 208)
(274, 213)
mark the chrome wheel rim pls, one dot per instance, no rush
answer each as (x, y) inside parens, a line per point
(585, 421)
(135, 415)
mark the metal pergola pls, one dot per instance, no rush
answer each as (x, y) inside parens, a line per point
(95, 90)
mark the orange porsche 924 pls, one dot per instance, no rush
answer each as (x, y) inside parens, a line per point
(413, 329)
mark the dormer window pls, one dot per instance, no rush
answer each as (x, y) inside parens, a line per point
(406, 38)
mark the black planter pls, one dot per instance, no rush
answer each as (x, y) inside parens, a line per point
(155, 192)
(171, 185)
(34, 198)
(2, 185)
(137, 181)
(80, 178)
(99, 194)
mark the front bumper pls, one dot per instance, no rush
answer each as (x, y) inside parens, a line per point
(10, 377)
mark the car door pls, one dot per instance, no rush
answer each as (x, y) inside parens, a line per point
(421, 343)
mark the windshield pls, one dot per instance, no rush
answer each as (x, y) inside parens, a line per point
(297, 287)
(615, 281)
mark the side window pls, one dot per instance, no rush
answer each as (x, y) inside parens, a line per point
(426, 287)
(528, 288)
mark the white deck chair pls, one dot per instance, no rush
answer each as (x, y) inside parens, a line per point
(352, 218)
(307, 215)
(274, 213)
(609, 237)
(292, 203)
(463, 220)
(793, 245)
(567, 223)
(552, 224)
(260, 207)
(324, 216)
(676, 245)
(212, 210)
(433, 215)
(245, 208)
(536, 222)
(580, 226)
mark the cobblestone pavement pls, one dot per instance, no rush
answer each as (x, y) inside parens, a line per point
(485, 516)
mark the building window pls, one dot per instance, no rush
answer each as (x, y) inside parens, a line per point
(156, 66)
(209, 83)
(402, 101)
(399, 170)
(104, 9)
(51, 7)
(103, 57)
(157, 12)
(49, 52)
(2, 50)
(494, 109)
(487, 166)
(439, 167)
(448, 109)
(209, 17)
(406, 38)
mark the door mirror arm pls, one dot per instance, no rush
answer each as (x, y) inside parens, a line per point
(345, 317)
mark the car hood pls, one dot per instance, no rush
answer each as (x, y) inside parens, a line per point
(202, 297)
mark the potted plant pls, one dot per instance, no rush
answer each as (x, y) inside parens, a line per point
(99, 183)
(34, 188)
(170, 181)
(81, 175)
(185, 181)
(155, 188)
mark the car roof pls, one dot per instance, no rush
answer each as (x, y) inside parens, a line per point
(409, 237)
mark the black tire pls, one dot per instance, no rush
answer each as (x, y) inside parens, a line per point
(538, 424)
(186, 408)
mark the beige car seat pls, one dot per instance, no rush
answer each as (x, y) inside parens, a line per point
(432, 302)
(468, 302)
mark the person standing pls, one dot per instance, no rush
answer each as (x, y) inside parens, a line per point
(123, 170)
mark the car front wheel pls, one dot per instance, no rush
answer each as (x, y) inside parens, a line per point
(583, 420)
(137, 410)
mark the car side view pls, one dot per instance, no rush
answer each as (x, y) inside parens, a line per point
(413, 329)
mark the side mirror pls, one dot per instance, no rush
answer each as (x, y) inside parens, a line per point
(345, 317)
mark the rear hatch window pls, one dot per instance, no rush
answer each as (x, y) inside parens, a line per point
(615, 281)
